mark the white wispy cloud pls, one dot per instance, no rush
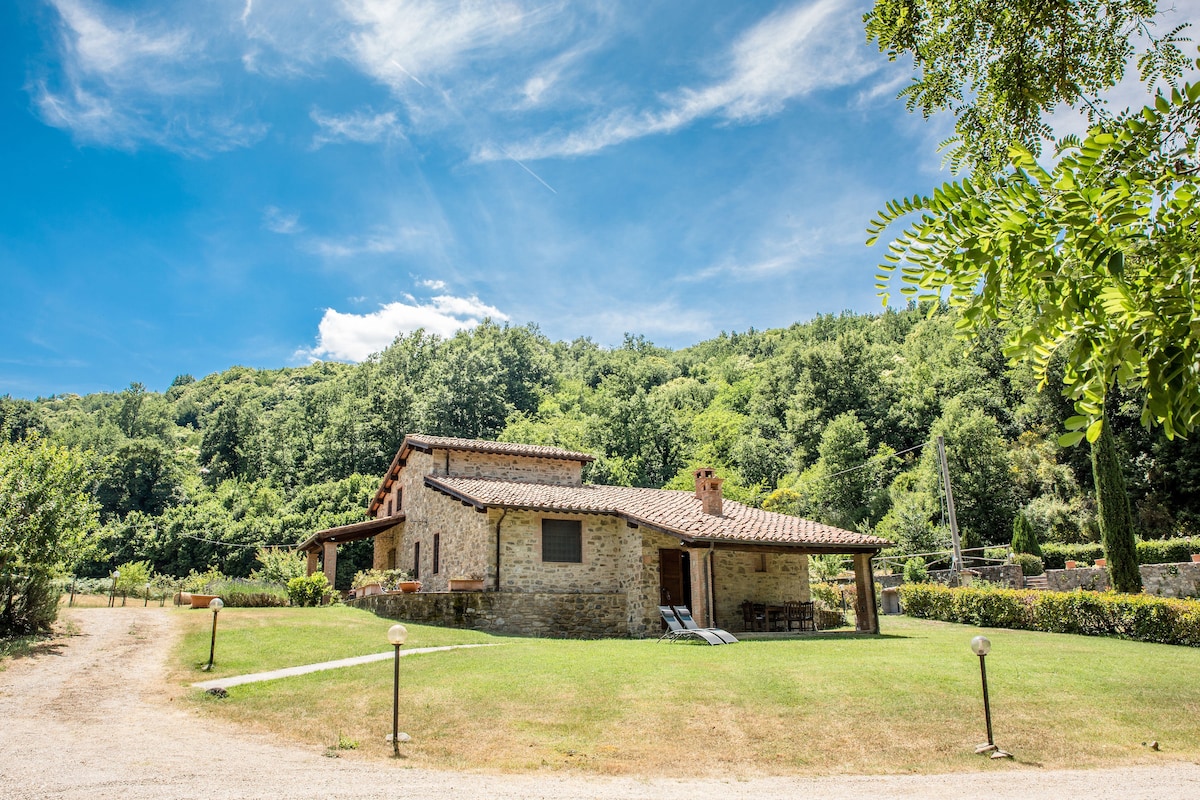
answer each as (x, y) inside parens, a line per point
(365, 127)
(124, 80)
(789, 54)
(380, 241)
(279, 221)
(666, 317)
(354, 337)
(399, 41)
(433, 284)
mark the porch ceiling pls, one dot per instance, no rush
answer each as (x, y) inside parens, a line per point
(350, 533)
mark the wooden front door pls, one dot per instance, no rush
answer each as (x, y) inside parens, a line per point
(674, 578)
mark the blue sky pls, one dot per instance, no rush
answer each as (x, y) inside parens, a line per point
(190, 186)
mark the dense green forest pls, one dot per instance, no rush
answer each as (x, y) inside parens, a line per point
(201, 475)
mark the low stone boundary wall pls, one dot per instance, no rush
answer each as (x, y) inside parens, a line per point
(553, 615)
(1164, 580)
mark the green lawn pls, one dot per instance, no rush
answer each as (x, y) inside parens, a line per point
(906, 701)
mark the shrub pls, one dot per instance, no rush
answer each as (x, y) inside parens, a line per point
(243, 593)
(309, 591)
(1056, 556)
(28, 604)
(1167, 551)
(1139, 617)
(1024, 540)
(915, 571)
(826, 593)
(1030, 564)
(279, 565)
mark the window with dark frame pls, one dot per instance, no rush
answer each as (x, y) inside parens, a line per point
(399, 499)
(389, 508)
(562, 541)
(437, 552)
(416, 561)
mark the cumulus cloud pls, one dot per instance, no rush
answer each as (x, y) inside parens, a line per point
(364, 127)
(433, 284)
(354, 337)
(789, 54)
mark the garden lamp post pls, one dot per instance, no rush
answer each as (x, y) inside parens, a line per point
(112, 592)
(981, 646)
(396, 635)
(216, 604)
(146, 597)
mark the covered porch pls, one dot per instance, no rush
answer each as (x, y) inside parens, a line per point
(755, 587)
(321, 547)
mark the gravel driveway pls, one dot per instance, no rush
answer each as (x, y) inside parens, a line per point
(91, 718)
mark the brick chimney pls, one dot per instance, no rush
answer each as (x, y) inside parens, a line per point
(708, 490)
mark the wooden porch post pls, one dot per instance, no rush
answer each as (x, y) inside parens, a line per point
(865, 614)
(331, 561)
(312, 562)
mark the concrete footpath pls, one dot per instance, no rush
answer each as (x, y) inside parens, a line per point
(290, 672)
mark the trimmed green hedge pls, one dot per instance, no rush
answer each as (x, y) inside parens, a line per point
(1126, 616)
(1153, 551)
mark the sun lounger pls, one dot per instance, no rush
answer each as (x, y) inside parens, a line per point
(676, 631)
(690, 624)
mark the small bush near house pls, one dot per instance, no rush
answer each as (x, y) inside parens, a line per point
(826, 593)
(1030, 564)
(310, 591)
(1124, 616)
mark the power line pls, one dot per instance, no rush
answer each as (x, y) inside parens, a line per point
(876, 458)
(234, 544)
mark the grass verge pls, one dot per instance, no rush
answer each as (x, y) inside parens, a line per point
(908, 701)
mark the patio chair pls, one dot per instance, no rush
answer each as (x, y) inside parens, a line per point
(675, 630)
(801, 614)
(685, 616)
(754, 615)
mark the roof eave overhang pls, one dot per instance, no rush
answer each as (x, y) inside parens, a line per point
(351, 533)
(688, 539)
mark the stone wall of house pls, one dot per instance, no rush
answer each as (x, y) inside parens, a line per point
(1164, 580)
(605, 546)
(466, 464)
(644, 619)
(758, 577)
(573, 615)
(465, 541)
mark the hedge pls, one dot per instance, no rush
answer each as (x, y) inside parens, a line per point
(1151, 551)
(1125, 616)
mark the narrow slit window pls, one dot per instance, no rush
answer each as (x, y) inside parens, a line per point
(416, 561)
(437, 552)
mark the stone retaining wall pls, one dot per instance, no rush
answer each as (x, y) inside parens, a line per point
(553, 615)
(1164, 580)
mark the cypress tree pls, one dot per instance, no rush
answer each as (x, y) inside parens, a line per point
(1024, 540)
(1116, 521)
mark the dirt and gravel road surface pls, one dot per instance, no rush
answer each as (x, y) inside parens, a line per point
(90, 717)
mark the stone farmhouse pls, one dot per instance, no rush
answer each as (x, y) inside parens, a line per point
(560, 557)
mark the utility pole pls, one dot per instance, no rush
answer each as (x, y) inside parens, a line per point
(955, 542)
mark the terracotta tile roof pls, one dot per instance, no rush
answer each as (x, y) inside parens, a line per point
(674, 512)
(419, 441)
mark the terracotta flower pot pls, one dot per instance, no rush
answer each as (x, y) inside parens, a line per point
(202, 600)
(466, 584)
(409, 586)
(1101, 562)
(1196, 558)
(1070, 565)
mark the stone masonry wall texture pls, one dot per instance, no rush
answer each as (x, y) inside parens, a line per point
(580, 615)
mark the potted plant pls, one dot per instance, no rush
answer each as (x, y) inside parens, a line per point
(466, 583)
(1100, 562)
(1196, 558)
(368, 582)
(1070, 565)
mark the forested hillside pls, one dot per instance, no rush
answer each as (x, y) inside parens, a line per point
(204, 473)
